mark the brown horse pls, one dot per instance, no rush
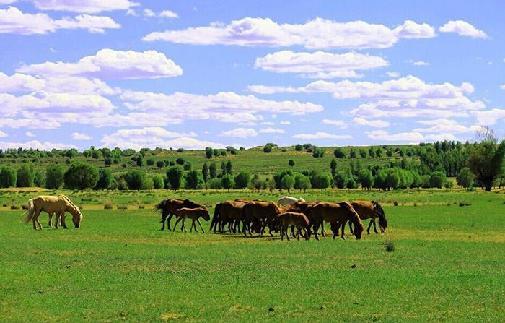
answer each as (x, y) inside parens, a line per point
(168, 208)
(370, 210)
(259, 215)
(297, 219)
(337, 214)
(194, 214)
(229, 212)
(52, 204)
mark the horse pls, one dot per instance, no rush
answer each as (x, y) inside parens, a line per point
(297, 219)
(168, 208)
(229, 212)
(288, 200)
(52, 204)
(337, 214)
(370, 210)
(192, 213)
(259, 215)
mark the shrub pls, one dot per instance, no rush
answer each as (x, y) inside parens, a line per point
(242, 180)
(104, 179)
(80, 176)
(158, 181)
(8, 177)
(227, 182)
(339, 153)
(25, 176)
(54, 176)
(108, 205)
(193, 180)
(175, 177)
(135, 179)
(437, 179)
(214, 183)
(302, 182)
(465, 178)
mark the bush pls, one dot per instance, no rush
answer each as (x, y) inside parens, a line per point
(147, 183)
(242, 180)
(288, 182)
(104, 179)
(160, 164)
(437, 179)
(175, 177)
(291, 163)
(302, 182)
(80, 176)
(150, 162)
(158, 181)
(54, 176)
(321, 181)
(8, 177)
(318, 152)
(25, 176)
(365, 179)
(193, 180)
(214, 183)
(339, 153)
(465, 178)
(227, 182)
(108, 205)
(135, 179)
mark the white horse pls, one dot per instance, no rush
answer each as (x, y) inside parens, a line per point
(289, 200)
(52, 204)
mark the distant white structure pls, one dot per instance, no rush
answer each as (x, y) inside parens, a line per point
(289, 200)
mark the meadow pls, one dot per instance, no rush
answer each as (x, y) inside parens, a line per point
(444, 262)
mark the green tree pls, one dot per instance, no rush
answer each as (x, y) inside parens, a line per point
(242, 180)
(80, 176)
(321, 181)
(54, 176)
(229, 167)
(160, 164)
(175, 177)
(339, 153)
(366, 179)
(438, 179)
(25, 176)
(302, 182)
(288, 182)
(227, 182)
(208, 152)
(333, 167)
(8, 177)
(291, 163)
(193, 180)
(135, 179)
(213, 170)
(214, 183)
(39, 179)
(158, 181)
(485, 161)
(104, 179)
(205, 172)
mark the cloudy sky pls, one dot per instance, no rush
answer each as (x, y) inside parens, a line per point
(183, 73)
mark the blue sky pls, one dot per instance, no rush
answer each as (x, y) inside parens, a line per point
(214, 73)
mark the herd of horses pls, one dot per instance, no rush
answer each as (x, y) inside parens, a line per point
(249, 217)
(304, 219)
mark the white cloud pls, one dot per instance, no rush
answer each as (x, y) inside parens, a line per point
(85, 6)
(316, 33)
(462, 28)
(30, 134)
(371, 123)
(154, 137)
(401, 137)
(319, 64)
(2, 134)
(502, 87)
(34, 144)
(80, 136)
(393, 74)
(164, 14)
(411, 29)
(420, 63)
(271, 130)
(3, 2)
(109, 63)
(285, 122)
(490, 117)
(337, 123)
(14, 21)
(445, 126)
(320, 135)
(239, 133)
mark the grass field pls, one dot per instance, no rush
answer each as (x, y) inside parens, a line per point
(448, 264)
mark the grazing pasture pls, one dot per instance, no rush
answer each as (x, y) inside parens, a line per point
(437, 261)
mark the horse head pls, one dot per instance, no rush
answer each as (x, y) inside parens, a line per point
(383, 223)
(355, 219)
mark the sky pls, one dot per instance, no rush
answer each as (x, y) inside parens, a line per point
(192, 74)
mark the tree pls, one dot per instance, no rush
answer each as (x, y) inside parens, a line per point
(25, 176)
(257, 183)
(104, 179)
(268, 147)
(150, 162)
(242, 180)
(340, 180)
(339, 153)
(302, 182)
(39, 179)
(8, 177)
(214, 183)
(485, 161)
(365, 179)
(333, 167)
(158, 181)
(160, 164)
(135, 179)
(80, 176)
(174, 177)
(321, 181)
(227, 182)
(193, 180)
(288, 182)
(465, 178)
(353, 153)
(229, 167)
(437, 179)
(318, 152)
(180, 161)
(205, 172)
(208, 152)
(298, 147)
(291, 163)
(213, 170)
(54, 176)
(147, 183)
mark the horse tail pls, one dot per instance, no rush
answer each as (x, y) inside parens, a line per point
(30, 210)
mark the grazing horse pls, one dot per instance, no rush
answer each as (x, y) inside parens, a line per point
(297, 219)
(259, 215)
(288, 200)
(193, 214)
(229, 212)
(52, 204)
(337, 214)
(168, 208)
(370, 210)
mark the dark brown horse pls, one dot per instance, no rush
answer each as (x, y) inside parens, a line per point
(297, 219)
(168, 208)
(229, 212)
(337, 214)
(259, 215)
(191, 213)
(370, 210)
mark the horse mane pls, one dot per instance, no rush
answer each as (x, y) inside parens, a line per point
(353, 215)
(74, 209)
(381, 214)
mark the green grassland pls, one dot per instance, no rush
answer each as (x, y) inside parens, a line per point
(448, 264)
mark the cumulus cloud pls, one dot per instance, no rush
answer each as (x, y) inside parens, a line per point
(112, 64)
(420, 63)
(319, 64)
(14, 21)
(371, 123)
(30, 134)
(316, 33)
(393, 74)
(489, 117)
(336, 123)
(2, 134)
(239, 133)
(462, 28)
(84, 6)
(155, 137)
(320, 135)
(163, 14)
(34, 144)
(400, 137)
(80, 136)
(271, 130)
(445, 126)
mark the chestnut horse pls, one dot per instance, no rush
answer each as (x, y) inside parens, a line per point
(337, 214)
(297, 219)
(168, 208)
(194, 214)
(370, 210)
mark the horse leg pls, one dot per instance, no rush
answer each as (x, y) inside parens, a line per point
(342, 227)
(36, 218)
(34, 221)
(63, 223)
(183, 222)
(198, 220)
(193, 224)
(369, 226)
(50, 216)
(374, 227)
(169, 219)
(176, 222)
(322, 229)
(350, 228)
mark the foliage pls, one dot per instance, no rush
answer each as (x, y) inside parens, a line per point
(175, 177)
(54, 176)
(8, 177)
(242, 180)
(80, 176)
(25, 176)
